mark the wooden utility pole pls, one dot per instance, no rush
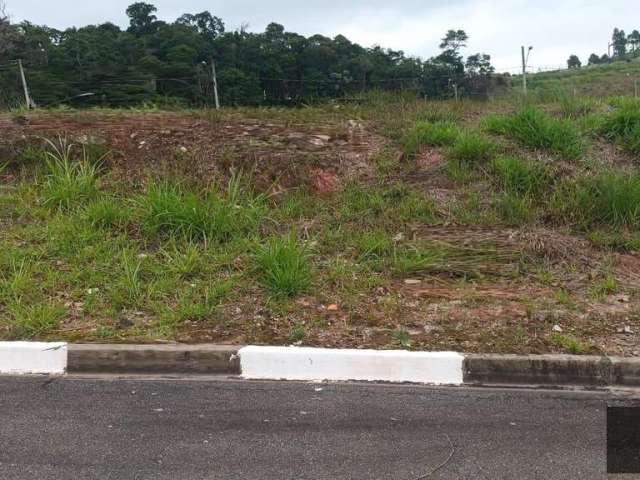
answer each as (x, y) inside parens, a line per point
(30, 103)
(214, 78)
(455, 90)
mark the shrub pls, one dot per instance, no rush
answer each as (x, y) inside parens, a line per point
(472, 148)
(535, 129)
(284, 266)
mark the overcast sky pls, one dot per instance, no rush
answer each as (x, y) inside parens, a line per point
(556, 28)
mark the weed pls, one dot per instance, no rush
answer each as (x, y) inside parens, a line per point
(623, 124)
(185, 261)
(297, 333)
(131, 275)
(515, 209)
(535, 129)
(430, 134)
(68, 182)
(170, 209)
(576, 107)
(606, 286)
(568, 343)
(609, 198)
(374, 245)
(107, 213)
(402, 338)
(29, 320)
(520, 177)
(472, 148)
(284, 266)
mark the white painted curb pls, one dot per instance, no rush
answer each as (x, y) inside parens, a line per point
(317, 364)
(24, 358)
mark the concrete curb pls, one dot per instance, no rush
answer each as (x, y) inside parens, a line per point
(316, 364)
(169, 359)
(28, 358)
(551, 370)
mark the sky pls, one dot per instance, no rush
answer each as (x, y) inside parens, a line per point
(555, 28)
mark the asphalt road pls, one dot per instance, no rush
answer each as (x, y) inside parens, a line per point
(187, 429)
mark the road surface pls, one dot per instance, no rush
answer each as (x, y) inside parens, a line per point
(188, 429)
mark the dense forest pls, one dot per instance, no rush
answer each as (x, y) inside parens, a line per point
(173, 63)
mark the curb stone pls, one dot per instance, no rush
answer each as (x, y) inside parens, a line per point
(188, 359)
(316, 364)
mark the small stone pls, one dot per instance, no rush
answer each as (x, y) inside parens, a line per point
(399, 237)
(333, 308)
(412, 281)
(557, 328)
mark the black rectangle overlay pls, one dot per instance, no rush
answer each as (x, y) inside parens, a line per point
(623, 439)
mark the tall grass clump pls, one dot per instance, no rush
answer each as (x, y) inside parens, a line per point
(623, 124)
(284, 266)
(441, 133)
(171, 209)
(520, 177)
(610, 198)
(68, 182)
(535, 129)
(576, 107)
(107, 213)
(472, 148)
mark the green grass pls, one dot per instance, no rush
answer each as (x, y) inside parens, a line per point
(622, 125)
(68, 182)
(108, 213)
(515, 209)
(171, 209)
(284, 266)
(440, 133)
(569, 343)
(521, 177)
(610, 198)
(472, 148)
(535, 129)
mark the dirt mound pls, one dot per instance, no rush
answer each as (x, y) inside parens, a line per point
(280, 154)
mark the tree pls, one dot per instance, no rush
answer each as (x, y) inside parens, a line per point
(619, 42)
(141, 18)
(594, 59)
(207, 25)
(574, 62)
(479, 64)
(634, 40)
(454, 40)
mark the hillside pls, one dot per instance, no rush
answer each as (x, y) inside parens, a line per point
(617, 78)
(469, 226)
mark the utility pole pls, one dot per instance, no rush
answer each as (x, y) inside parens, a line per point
(214, 77)
(27, 97)
(524, 69)
(455, 90)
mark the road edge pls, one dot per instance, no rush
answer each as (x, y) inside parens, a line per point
(316, 364)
